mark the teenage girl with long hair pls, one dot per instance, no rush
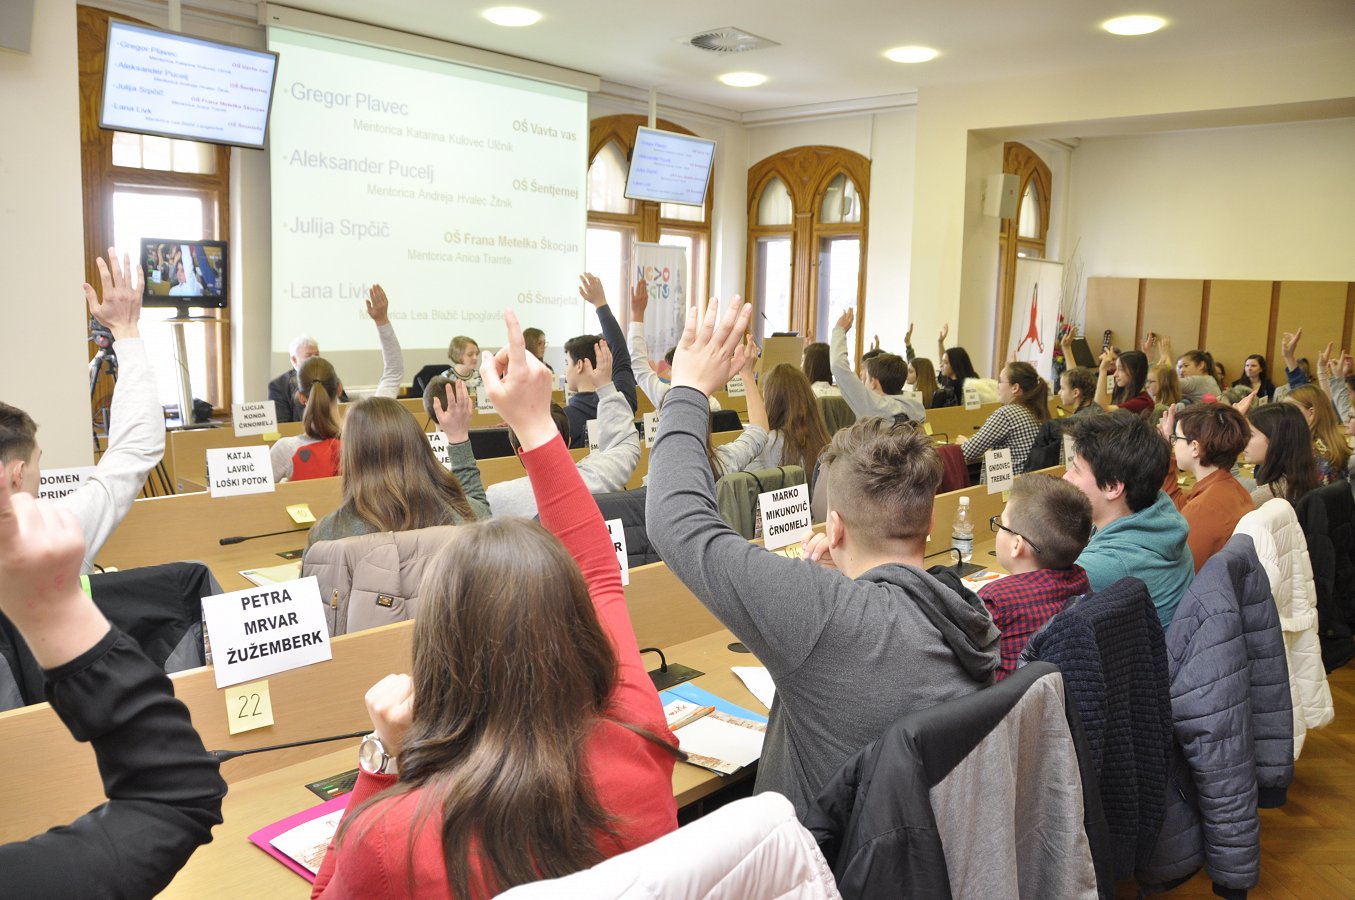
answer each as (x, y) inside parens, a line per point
(392, 481)
(797, 431)
(315, 452)
(1331, 451)
(528, 742)
(1129, 372)
(1281, 448)
(1015, 424)
(924, 380)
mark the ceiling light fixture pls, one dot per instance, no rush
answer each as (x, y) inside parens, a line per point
(743, 79)
(1133, 25)
(512, 16)
(912, 54)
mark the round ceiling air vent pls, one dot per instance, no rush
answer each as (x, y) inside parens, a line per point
(729, 39)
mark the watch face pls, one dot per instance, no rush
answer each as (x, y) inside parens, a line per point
(371, 755)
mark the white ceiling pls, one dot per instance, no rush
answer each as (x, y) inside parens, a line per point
(832, 50)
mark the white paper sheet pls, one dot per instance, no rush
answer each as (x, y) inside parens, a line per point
(758, 682)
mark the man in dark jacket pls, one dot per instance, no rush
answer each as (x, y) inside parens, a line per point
(856, 634)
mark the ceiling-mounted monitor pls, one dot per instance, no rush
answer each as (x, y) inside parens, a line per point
(669, 168)
(172, 85)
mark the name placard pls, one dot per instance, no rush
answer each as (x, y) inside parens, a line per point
(441, 449)
(736, 387)
(971, 396)
(239, 470)
(651, 427)
(482, 402)
(57, 483)
(618, 533)
(998, 465)
(785, 516)
(259, 632)
(1067, 447)
(254, 418)
(592, 428)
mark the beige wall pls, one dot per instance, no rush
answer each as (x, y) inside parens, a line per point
(42, 340)
(957, 126)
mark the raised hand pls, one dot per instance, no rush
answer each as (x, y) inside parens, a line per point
(519, 386)
(41, 548)
(945, 332)
(1167, 426)
(120, 284)
(378, 306)
(1108, 359)
(454, 414)
(602, 372)
(907, 336)
(590, 289)
(1343, 368)
(1324, 361)
(1289, 343)
(390, 706)
(749, 360)
(845, 320)
(639, 301)
(1148, 341)
(875, 343)
(1245, 404)
(711, 339)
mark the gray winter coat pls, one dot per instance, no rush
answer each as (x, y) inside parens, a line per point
(1233, 723)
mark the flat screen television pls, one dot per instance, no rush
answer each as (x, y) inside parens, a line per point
(669, 168)
(172, 85)
(184, 273)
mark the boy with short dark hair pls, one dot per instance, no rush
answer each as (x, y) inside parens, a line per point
(1041, 532)
(579, 351)
(880, 391)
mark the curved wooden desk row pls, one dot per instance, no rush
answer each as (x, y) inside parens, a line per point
(50, 779)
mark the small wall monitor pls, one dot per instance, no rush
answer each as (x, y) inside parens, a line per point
(669, 168)
(168, 84)
(184, 273)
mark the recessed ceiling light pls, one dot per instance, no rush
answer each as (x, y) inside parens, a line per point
(1130, 25)
(912, 54)
(743, 79)
(512, 16)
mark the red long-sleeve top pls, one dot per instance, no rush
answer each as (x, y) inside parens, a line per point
(633, 778)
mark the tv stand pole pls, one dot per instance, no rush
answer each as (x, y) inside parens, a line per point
(182, 382)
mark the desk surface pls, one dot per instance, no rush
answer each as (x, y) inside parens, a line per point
(231, 866)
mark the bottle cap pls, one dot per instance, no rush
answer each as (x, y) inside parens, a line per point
(964, 501)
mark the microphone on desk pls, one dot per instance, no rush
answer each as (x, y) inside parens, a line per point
(240, 538)
(223, 755)
(958, 558)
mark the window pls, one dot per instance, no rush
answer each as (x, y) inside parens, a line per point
(1024, 234)
(138, 186)
(807, 239)
(616, 224)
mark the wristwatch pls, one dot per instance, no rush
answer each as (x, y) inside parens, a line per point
(374, 759)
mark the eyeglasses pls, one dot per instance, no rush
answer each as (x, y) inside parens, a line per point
(995, 523)
(1177, 437)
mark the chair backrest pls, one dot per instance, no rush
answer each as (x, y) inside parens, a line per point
(425, 375)
(837, 414)
(629, 507)
(725, 420)
(736, 495)
(490, 443)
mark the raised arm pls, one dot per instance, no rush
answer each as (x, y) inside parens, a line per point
(907, 343)
(649, 380)
(454, 412)
(136, 432)
(1289, 345)
(164, 790)
(857, 395)
(1103, 372)
(392, 360)
(941, 342)
(611, 465)
(757, 410)
(743, 585)
(623, 376)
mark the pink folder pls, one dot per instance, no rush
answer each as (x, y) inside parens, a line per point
(262, 837)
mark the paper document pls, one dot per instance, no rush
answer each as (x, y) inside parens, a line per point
(306, 843)
(758, 681)
(273, 574)
(721, 742)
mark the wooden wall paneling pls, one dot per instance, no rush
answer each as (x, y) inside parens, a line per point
(1172, 306)
(1112, 303)
(1319, 308)
(1350, 316)
(1236, 323)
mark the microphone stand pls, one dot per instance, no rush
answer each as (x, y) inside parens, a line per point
(223, 755)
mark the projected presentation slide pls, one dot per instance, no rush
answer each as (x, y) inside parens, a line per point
(157, 82)
(462, 192)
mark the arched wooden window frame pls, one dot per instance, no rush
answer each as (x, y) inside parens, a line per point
(101, 178)
(807, 173)
(645, 219)
(1019, 160)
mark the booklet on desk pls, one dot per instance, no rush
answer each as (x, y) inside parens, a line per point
(724, 741)
(299, 842)
(273, 574)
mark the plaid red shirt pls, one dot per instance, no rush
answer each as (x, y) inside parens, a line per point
(1021, 604)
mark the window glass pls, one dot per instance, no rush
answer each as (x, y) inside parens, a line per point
(773, 284)
(840, 203)
(1028, 220)
(774, 207)
(607, 181)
